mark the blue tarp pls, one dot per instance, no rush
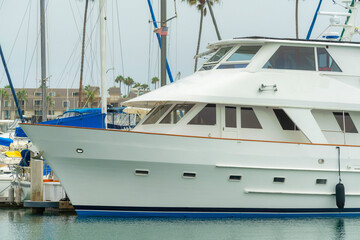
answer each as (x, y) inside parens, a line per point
(5, 141)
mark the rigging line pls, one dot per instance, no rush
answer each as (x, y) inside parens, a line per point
(47, 44)
(68, 61)
(121, 52)
(113, 39)
(26, 47)
(73, 14)
(17, 35)
(2, 4)
(149, 59)
(37, 46)
(32, 57)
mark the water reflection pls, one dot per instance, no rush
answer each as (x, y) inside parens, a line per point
(47, 226)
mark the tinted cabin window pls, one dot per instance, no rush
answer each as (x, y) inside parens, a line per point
(296, 58)
(230, 117)
(207, 116)
(349, 124)
(326, 62)
(177, 113)
(219, 54)
(284, 120)
(249, 119)
(157, 113)
(244, 53)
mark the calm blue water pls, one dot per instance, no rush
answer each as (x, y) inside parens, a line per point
(19, 224)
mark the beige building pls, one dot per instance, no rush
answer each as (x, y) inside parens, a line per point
(58, 101)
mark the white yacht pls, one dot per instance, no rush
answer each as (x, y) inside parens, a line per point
(266, 127)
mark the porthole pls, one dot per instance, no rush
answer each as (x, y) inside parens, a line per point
(189, 175)
(321, 181)
(279, 179)
(234, 178)
(141, 172)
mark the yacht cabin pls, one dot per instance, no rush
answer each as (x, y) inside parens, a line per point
(264, 89)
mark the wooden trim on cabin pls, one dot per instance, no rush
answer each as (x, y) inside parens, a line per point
(177, 135)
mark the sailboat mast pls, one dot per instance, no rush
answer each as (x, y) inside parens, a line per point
(102, 7)
(43, 59)
(163, 43)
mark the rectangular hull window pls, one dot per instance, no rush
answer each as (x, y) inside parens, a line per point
(349, 124)
(279, 179)
(321, 181)
(230, 117)
(249, 119)
(294, 58)
(189, 175)
(141, 172)
(207, 116)
(284, 120)
(234, 178)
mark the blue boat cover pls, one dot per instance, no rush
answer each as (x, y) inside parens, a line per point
(5, 141)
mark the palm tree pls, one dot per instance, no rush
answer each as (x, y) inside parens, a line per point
(129, 82)
(154, 80)
(137, 85)
(119, 79)
(144, 86)
(200, 5)
(49, 101)
(89, 94)
(22, 97)
(3, 95)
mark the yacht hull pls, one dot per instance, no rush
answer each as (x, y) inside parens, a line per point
(98, 168)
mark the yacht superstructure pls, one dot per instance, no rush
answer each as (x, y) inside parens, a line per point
(265, 127)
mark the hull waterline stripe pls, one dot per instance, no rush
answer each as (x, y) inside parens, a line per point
(215, 210)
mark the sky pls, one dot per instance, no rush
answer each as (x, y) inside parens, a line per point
(132, 49)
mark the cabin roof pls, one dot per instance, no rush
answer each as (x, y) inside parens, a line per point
(257, 40)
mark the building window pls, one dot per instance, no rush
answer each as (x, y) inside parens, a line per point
(7, 103)
(349, 124)
(17, 114)
(66, 104)
(177, 113)
(38, 112)
(294, 58)
(157, 113)
(284, 120)
(52, 94)
(326, 62)
(7, 114)
(249, 119)
(37, 94)
(230, 117)
(51, 112)
(75, 94)
(37, 103)
(207, 116)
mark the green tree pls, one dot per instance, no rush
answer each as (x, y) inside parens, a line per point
(4, 94)
(200, 5)
(22, 95)
(129, 82)
(137, 85)
(154, 81)
(49, 101)
(144, 86)
(89, 94)
(7, 86)
(119, 79)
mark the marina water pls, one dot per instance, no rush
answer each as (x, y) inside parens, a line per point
(20, 224)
